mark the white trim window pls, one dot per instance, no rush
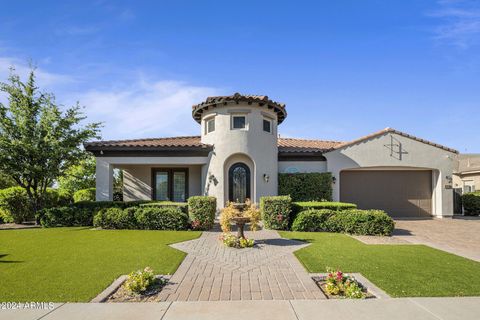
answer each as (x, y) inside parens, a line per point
(239, 122)
(267, 125)
(210, 125)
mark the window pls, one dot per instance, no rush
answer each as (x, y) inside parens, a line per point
(170, 184)
(267, 125)
(239, 122)
(210, 125)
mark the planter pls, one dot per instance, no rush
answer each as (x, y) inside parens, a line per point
(321, 283)
(117, 293)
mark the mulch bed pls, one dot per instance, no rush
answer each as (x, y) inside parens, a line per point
(151, 295)
(321, 283)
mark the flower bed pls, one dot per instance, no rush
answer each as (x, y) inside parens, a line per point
(233, 241)
(139, 286)
(337, 285)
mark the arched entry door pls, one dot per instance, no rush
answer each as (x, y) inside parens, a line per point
(238, 182)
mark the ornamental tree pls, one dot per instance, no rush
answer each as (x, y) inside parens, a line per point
(38, 141)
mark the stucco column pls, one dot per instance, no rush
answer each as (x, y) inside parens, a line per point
(104, 180)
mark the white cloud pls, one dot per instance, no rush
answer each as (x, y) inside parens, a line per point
(145, 109)
(22, 68)
(460, 23)
(141, 108)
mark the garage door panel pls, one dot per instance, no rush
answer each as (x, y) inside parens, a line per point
(400, 193)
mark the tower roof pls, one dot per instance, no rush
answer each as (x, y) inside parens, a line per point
(263, 101)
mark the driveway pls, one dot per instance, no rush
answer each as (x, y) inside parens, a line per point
(460, 236)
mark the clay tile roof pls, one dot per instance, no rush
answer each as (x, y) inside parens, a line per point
(284, 144)
(213, 102)
(305, 145)
(171, 142)
(391, 130)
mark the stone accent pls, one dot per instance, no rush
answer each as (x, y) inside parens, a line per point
(213, 272)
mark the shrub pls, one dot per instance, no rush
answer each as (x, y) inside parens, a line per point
(139, 281)
(233, 241)
(362, 222)
(152, 218)
(84, 195)
(5, 216)
(167, 204)
(201, 210)
(15, 204)
(359, 222)
(312, 220)
(65, 217)
(471, 203)
(276, 212)
(116, 218)
(313, 186)
(336, 206)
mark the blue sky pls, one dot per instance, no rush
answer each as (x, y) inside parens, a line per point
(344, 68)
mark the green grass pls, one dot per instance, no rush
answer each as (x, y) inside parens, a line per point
(75, 264)
(400, 270)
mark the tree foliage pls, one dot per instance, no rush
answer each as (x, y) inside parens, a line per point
(79, 176)
(38, 141)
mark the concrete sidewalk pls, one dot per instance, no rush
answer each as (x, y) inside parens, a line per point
(392, 309)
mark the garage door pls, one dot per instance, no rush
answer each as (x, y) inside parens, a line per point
(399, 193)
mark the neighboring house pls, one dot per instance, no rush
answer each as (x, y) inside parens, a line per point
(467, 174)
(239, 155)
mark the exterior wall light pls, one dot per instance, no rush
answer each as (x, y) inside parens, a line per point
(266, 177)
(334, 180)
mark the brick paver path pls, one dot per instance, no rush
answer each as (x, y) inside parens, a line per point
(268, 271)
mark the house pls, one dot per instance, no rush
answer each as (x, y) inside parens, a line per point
(467, 174)
(239, 155)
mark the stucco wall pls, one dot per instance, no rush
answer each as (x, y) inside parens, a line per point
(460, 180)
(258, 148)
(302, 166)
(137, 181)
(376, 152)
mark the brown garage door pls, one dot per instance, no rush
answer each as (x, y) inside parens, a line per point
(399, 193)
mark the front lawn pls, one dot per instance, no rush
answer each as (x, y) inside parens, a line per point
(400, 270)
(75, 264)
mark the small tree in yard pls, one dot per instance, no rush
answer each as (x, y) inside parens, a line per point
(79, 176)
(38, 141)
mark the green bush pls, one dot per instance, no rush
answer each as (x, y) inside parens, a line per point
(201, 210)
(152, 218)
(313, 186)
(167, 204)
(312, 220)
(471, 203)
(65, 217)
(116, 218)
(335, 206)
(276, 212)
(84, 195)
(355, 221)
(15, 204)
(5, 216)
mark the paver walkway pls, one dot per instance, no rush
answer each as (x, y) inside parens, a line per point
(213, 272)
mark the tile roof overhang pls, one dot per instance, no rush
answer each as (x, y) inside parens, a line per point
(177, 146)
(391, 130)
(263, 101)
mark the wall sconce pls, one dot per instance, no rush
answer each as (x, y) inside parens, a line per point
(266, 177)
(334, 180)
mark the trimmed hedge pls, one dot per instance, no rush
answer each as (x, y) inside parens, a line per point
(65, 216)
(355, 221)
(201, 210)
(335, 206)
(161, 219)
(471, 203)
(167, 204)
(84, 195)
(313, 186)
(276, 212)
(15, 204)
(149, 218)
